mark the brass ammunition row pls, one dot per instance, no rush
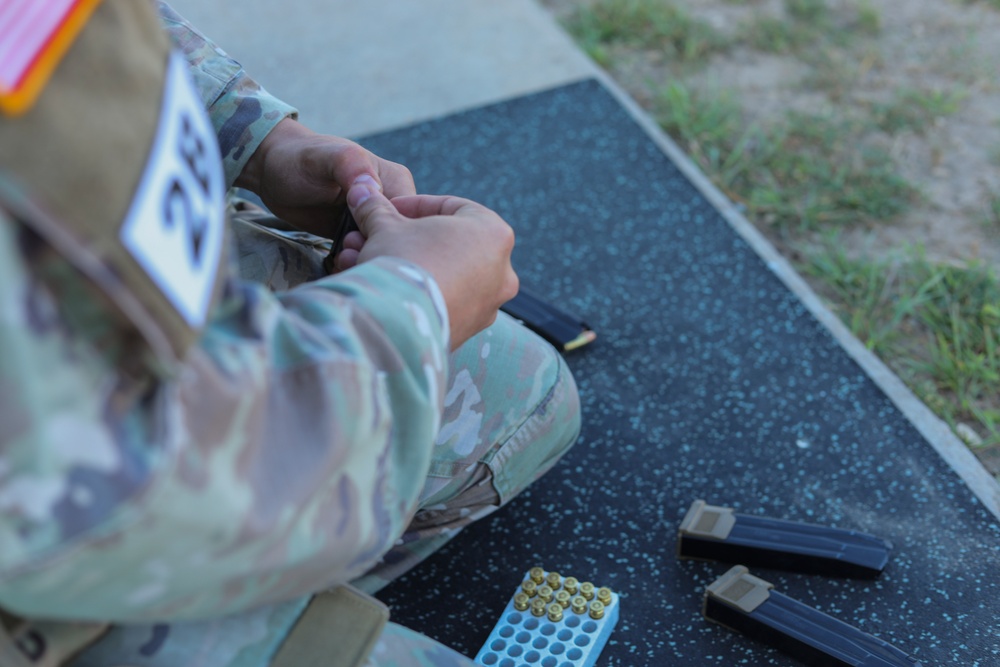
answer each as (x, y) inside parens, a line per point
(549, 594)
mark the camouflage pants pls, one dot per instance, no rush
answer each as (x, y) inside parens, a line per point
(511, 410)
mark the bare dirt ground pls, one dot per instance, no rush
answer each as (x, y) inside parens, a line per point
(948, 46)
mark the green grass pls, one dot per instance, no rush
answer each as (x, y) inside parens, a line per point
(869, 20)
(874, 290)
(804, 173)
(915, 109)
(936, 324)
(803, 25)
(774, 35)
(647, 24)
(813, 13)
(816, 18)
(816, 170)
(827, 42)
(707, 123)
(843, 27)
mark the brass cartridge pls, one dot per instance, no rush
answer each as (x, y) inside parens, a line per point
(538, 607)
(562, 597)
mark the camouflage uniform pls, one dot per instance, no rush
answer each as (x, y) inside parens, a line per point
(317, 432)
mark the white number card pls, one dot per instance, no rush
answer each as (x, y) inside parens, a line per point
(175, 225)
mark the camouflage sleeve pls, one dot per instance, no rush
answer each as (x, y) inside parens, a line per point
(240, 109)
(286, 456)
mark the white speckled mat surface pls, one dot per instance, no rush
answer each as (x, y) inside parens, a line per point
(710, 379)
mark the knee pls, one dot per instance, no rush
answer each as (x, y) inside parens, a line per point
(563, 411)
(551, 428)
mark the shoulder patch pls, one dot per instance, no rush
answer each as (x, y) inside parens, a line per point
(34, 36)
(175, 227)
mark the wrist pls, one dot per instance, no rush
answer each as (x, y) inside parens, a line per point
(252, 175)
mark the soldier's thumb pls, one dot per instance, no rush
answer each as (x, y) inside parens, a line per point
(370, 208)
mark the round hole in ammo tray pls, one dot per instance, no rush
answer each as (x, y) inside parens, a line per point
(589, 626)
(498, 645)
(572, 622)
(531, 623)
(582, 640)
(549, 662)
(564, 635)
(523, 637)
(507, 662)
(532, 656)
(557, 649)
(514, 618)
(506, 632)
(541, 642)
(515, 650)
(490, 659)
(574, 654)
(548, 629)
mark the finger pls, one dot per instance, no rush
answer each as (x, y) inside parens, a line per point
(350, 164)
(395, 178)
(354, 241)
(422, 206)
(346, 259)
(370, 208)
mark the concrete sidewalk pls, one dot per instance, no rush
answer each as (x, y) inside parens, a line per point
(355, 68)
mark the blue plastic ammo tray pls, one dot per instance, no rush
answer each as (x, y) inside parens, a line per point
(541, 628)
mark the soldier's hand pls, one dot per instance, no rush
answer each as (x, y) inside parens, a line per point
(464, 245)
(303, 177)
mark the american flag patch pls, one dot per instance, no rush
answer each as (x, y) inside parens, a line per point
(34, 36)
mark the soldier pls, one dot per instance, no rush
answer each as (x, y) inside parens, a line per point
(199, 428)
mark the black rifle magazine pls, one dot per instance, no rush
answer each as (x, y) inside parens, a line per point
(749, 605)
(709, 532)
(566, 332)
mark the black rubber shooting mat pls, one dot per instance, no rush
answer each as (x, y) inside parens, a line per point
(709, 380)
